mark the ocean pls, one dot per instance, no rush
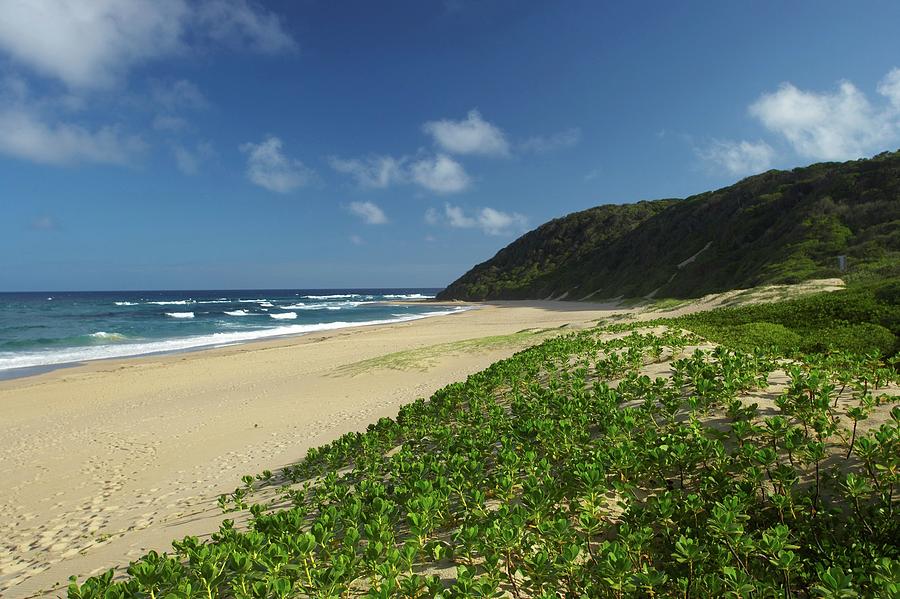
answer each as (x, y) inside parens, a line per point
(41, 331)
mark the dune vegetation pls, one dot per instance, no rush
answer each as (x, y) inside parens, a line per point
(633, 459)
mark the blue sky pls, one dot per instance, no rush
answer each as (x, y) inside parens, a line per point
(301, 143)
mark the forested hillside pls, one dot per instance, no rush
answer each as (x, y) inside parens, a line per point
(776, 227)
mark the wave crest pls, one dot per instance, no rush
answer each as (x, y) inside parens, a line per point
(284, 315)
(103, 335)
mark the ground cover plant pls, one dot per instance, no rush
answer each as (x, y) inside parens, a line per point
(860, 319)
(622, 461)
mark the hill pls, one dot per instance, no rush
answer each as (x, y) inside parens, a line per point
(776, 227)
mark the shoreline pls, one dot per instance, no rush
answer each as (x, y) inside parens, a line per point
(110, 459)
(11, 374)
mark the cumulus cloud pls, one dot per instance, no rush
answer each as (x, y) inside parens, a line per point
(373, 171)
(28, 135)
(739, 157)
(489, 220)
(837, 125)
(440, 174)
(90, 44)
(189, 160)
(369, 212)
(472, 135)
(268, 167)
(93, 43)
(889, 87)
(541, 144)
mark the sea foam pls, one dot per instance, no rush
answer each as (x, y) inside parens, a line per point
(335, 296)
(284, 315)
(180, 314)
(104, 336)
(406, 296)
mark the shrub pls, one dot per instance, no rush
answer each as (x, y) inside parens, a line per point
(859, 338)
(764, 335)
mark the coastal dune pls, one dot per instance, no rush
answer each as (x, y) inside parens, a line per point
(105, 461)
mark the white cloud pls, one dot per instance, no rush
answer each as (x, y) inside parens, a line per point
(836, 125)
(489, 220)
(499, 223)
(189, 161)
(369, 212)
(26, 134)
(541, 144)
(889, 87)
(440, 174)
(239, 23)
(357, 240)
(473, 135)
(739, 157)
(93, 43)
(178, 95)
(374, 171)
(268, 167)
(457, 218)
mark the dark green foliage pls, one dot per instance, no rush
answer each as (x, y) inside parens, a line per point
(777, 227)
(858, 338)
(761, 334)
(860, 319)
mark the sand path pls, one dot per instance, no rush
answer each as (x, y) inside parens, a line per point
(102, 462)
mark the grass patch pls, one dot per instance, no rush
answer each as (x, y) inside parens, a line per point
(422, 359)
(667, 304)
(633, 302)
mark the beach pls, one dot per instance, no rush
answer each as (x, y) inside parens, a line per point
(104, 461)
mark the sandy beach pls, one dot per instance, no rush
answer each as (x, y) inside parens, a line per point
(105, 461)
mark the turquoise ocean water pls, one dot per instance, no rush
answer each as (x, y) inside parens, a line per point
(40, 331)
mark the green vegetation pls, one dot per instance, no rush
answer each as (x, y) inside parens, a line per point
(859, 319)
(608, 462)
(777, 227)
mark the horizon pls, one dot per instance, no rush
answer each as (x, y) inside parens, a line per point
(232, 144)
(209, 290)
